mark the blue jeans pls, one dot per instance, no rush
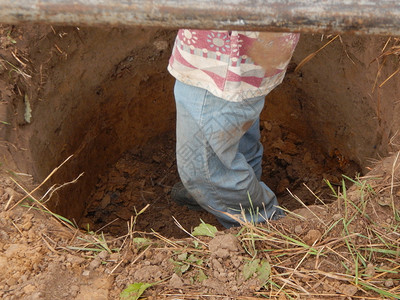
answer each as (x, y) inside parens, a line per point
(219, 155)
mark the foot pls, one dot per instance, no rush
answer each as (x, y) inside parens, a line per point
(182, 197)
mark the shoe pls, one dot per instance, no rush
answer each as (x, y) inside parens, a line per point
(182, 197)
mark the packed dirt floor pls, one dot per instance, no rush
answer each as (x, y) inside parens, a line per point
(100, 224)
(288, 164)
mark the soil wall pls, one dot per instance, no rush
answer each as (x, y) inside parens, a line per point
(96, 92)
(339, 96)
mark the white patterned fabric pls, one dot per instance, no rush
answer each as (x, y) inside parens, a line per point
(219, 62)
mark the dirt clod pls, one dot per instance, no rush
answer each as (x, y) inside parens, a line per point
(348, 290)
(298, 229)
(222, 245)
(370, 270)
(312, 236)
(176, 282)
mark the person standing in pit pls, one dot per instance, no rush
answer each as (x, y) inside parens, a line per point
(222, 78)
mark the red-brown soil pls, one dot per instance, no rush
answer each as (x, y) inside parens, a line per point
(104, 96)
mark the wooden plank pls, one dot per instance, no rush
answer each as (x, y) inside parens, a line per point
(358, 16)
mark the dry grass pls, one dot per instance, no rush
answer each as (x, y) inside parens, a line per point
(355, 255)
(312, 55)
(390, 49)
(367, 247)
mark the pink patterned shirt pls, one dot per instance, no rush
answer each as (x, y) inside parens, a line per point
(218, 61)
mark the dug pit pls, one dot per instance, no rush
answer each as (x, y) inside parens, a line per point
(105, 97)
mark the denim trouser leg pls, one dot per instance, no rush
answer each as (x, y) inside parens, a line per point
(252, 149)
(219, 154)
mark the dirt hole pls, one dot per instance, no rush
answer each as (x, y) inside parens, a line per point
(144, 175)
(105, 96)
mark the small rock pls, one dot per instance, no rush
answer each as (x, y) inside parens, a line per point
(74, 259)
(224, 253)
(298, 229)
(23, 278)
(389, 283)
(311, 212)
(36, 296)
(103, 255)
(384, 201)
(86, 273)
(349, 290)
(94, 264)
(148, 273)
(27, 225)
(161, 45)
(217, 266)
(156, 158)
(176, 282)
(370, 270)
(336, 217)
(105, 201)
(114, 256)
(222, 276)
(267, 125)
(29, 289)
(331, 178)
(11, 281)
(282, 185)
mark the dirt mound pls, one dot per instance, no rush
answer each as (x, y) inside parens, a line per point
(104, 96)
(346, 249)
